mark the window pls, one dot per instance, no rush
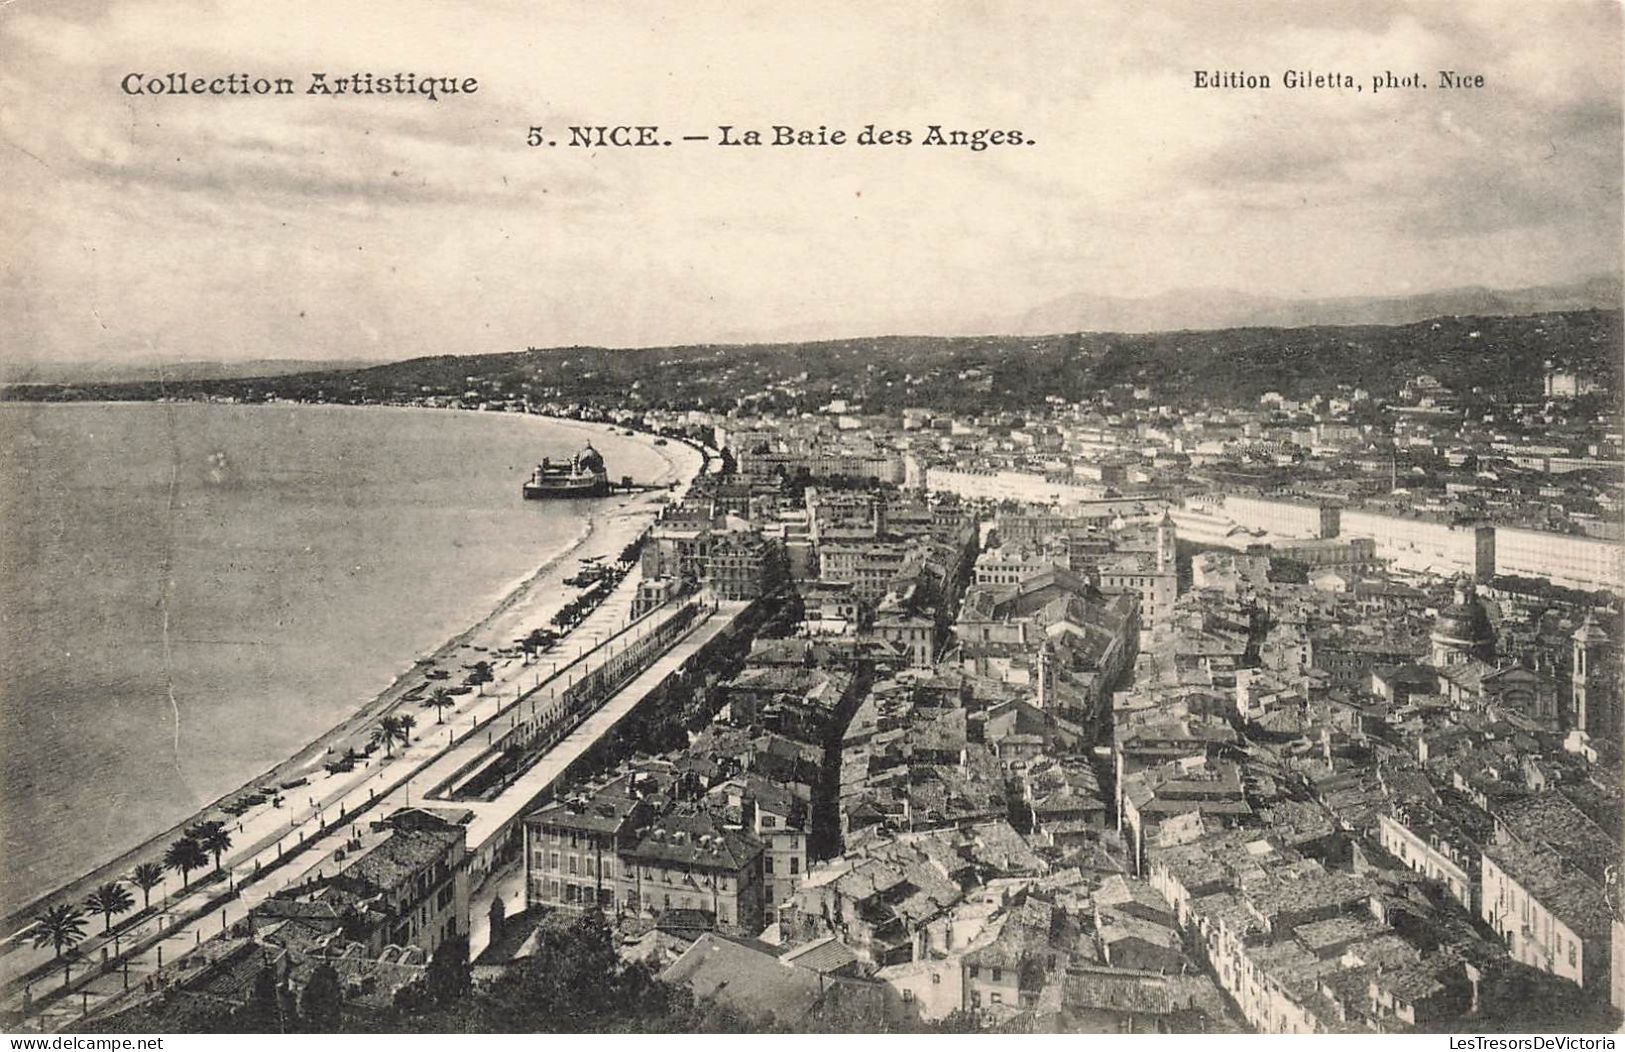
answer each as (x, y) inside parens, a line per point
(998, 975)
(795, 866)
(975, 971)
(995, 998)
(908, 995)
(936, 978)
(767, 864)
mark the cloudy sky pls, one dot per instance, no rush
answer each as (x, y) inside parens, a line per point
(388, 227)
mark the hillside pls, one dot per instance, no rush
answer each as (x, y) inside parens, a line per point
(1497, 356)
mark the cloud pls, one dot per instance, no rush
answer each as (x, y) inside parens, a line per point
(418, 227)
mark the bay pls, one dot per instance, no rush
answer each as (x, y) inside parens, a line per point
(189, 593)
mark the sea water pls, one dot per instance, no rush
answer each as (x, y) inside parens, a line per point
(189, 593)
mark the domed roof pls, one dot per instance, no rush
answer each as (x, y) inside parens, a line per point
(591, 459)
(1465, 621)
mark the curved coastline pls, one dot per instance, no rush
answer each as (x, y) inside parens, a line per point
(531, 596)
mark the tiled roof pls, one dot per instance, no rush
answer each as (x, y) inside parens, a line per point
(401, 857)
(825, 955)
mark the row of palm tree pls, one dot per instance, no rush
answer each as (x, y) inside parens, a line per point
(60, 926)
(63, 927)
(440, 699)
(108, 899)
(392, 729)
(194, 848)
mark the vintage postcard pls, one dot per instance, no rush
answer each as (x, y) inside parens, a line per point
(900, 519)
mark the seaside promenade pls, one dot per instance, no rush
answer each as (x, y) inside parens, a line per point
(430, 760)
(317, 817)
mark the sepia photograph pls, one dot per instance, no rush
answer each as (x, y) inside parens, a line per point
(907, 519)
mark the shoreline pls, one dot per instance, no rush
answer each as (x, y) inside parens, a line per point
(532, 598)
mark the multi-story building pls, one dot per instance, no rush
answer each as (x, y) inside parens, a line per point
(743, 566)
(614, 851)
(653, 593)
(917, 634)
(780, 822)
(881, 467)
(870, 566)
(572, 847)
(1212, 790)
(1035, 529)
(1282, 518)
(1150, 577)
(1417, 839)
(405, 880)
(1569, 560)
(1012, 564)
(677, 549)
(1351, 552)
(692, 862)
(1007, 485)
(1553, 916)
(1426, 545)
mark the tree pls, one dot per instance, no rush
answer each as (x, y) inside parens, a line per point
(146, 876)
(185, 855)
(262, 1012)
(321, 1000)
(61, 927)
(109, 899)
(441, 700)
(447, 975)
(211, 837)
(406, 721)
(386, 733)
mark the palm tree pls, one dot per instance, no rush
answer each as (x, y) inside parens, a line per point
(441, 701)
(406, 721)
(109, 899)
(61, 927)
(146, 876)
(388, 729)
(185, 855)
(211, 837)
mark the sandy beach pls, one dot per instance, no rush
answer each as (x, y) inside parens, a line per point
(525, 604)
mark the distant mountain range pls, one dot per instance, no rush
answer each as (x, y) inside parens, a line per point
(154, 370)
(1228, 309)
